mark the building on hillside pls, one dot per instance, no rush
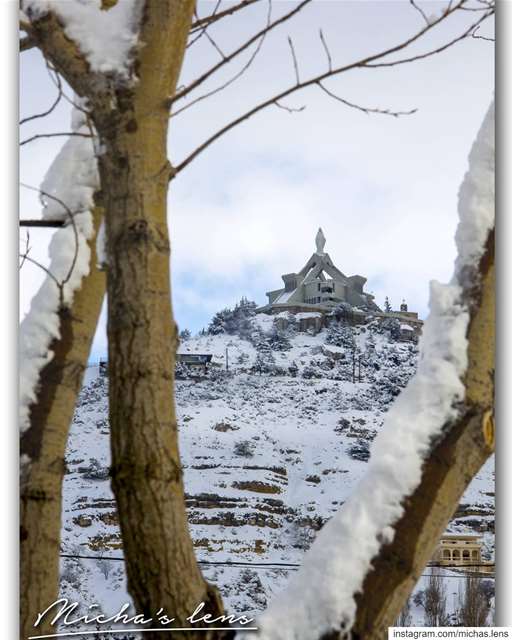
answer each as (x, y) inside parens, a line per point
(319, 286)
(321, 291)
(456, 550)
(195, 360)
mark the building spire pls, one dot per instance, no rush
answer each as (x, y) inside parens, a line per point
(320, 241)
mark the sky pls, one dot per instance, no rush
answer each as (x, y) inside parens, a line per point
(383, 189)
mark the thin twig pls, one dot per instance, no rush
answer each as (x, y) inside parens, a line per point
(420, 11)
(56, 81)
(45, 269)
(427, 54)
(54, 135)
(473, 35)
(290, 109)
(233, 78)
(71, 216)
(295, 63)
(363, 63)
(27, 250)
(53, 106)
(203, 30)
(200, 79)
(215, 45)
(367, 110)
(326, 49)
(214, 17)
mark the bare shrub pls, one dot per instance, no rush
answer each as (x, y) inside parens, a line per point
(434, 601)
(473, 603)
(405, 617)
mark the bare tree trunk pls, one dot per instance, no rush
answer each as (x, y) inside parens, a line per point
(44, 443)
(147, 477)
(450, 467)
(132, 124)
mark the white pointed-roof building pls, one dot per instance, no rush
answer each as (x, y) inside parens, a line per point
(320, 286)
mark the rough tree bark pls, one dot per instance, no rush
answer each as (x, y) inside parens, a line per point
(44, 442)
(146, 471)
(450, 467)
(132, 124)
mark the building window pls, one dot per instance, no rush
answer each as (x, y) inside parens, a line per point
(446, 554)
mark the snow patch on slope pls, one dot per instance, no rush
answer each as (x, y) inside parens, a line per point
(242, 435)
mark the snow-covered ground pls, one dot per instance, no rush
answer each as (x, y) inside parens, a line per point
(269, 454)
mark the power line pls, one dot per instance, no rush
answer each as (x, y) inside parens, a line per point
(273, 565)
(213, 563)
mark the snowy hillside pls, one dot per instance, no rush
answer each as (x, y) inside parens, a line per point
(270, 448)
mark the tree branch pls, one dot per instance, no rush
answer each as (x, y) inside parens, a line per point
(214, 17)
(367, 110)
(54, 135)
(71, 217)
(27, 43)
(367, 62)
(52, 107)
(420, 11)
(26, 251)
(215, 45)
(43, 268)
(326, 49)
(203, 30)
(235, 77)
(447, 471)
(200, 79)
(473, 35)
(295, 63)
(65, 56)
(290, 109)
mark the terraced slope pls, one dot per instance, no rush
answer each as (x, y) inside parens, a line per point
(269, 453)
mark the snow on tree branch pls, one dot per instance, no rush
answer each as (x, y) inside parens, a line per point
(320, 598)
(67, 192)
(476, 192)
(105, 37)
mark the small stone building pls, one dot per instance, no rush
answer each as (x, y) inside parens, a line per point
(459, 550)
(456, 550)
(195, 360)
